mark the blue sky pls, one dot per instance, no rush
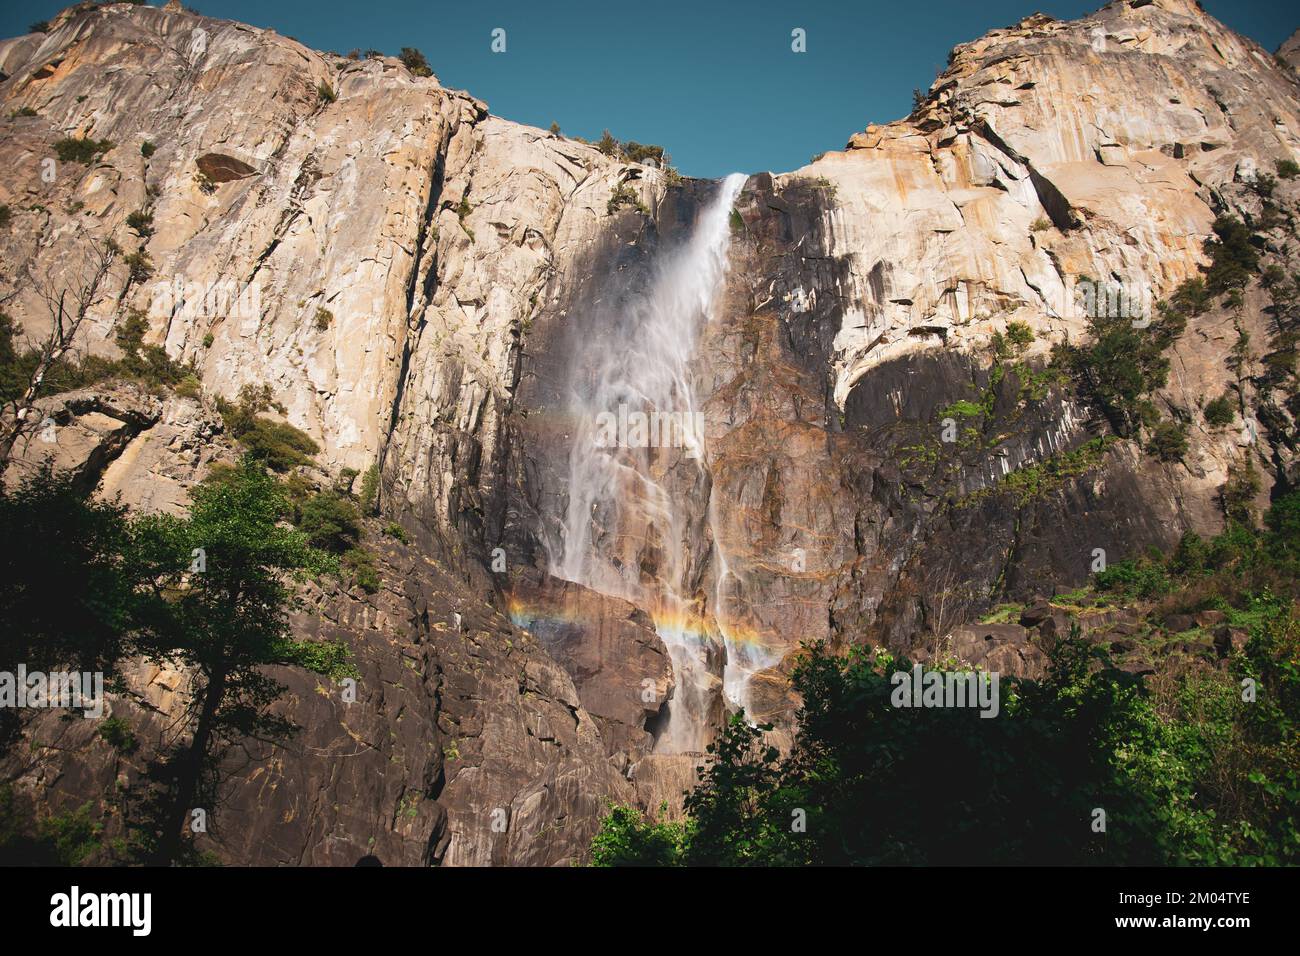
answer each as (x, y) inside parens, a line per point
(714, 82)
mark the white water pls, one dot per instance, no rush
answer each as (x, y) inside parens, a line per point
(620, 506)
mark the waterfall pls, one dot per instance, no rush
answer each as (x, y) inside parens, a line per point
(637, 462)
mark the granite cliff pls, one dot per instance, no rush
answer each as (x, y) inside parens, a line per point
(421, 284)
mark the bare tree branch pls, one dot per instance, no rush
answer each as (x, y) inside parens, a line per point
(68, 309)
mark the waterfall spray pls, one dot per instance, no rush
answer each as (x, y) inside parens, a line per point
(624, 532)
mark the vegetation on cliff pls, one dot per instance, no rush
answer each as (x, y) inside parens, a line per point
(1195, 764)
(207, 593)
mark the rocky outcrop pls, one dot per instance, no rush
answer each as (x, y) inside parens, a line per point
(461, 742)
(1289, 51)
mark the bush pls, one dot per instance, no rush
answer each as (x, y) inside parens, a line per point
(395, 530)
(1283, 523)
(624, 195)
(141, 222)
(139, 266)
(278, 444)
(362, 565)
(330, 521)
(1143, 579)
(370, 489)
(147, 148)
(1287, 168)
(1239, 491)
(5, 216)
(1263, 184)
(644, 153)
(146, 363)
(189, 387)
(1168, 441)
(1191, 297)
(1191, 556)
(1233, 258)
(1019, 336)
(325, 93)
(627, 838)
(84, 151)
(323, 319)
(1121, 366)
(117, 733)
(1220, 412)
(414, 61)
(40, 26)
(343, 483)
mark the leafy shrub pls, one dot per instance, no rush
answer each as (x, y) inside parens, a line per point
(279, 445)
(370, 489)
(362, 565)
(644, 153)
(626, 838)
(1191, 297)
(1263, 185)
(81, 150)
(139, 266)
(40, 26)
(323, 319)
(1014, 341)
(1131, 578)
(25, 111)
(1168, 441)
(343, 483)
(117, 733)
(1019, 335)
(1233, 258)
(624, 195)
(330, 521)
(1220, 411)
(1121, 365)
(1239, 491)
(147, 148)
(149, 364)
(414, 61)
(189, 387)
(395, 530)
(325, 93)
(1283, 522)
(1287, 168)
(141, 222)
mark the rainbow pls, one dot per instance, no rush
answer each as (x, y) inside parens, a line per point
(692, 627)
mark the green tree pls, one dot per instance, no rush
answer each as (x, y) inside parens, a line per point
(226, 617)
(69, 597)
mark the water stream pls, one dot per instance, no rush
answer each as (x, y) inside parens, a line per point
(638, 467)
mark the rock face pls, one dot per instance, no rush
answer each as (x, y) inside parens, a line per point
(411, 276)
